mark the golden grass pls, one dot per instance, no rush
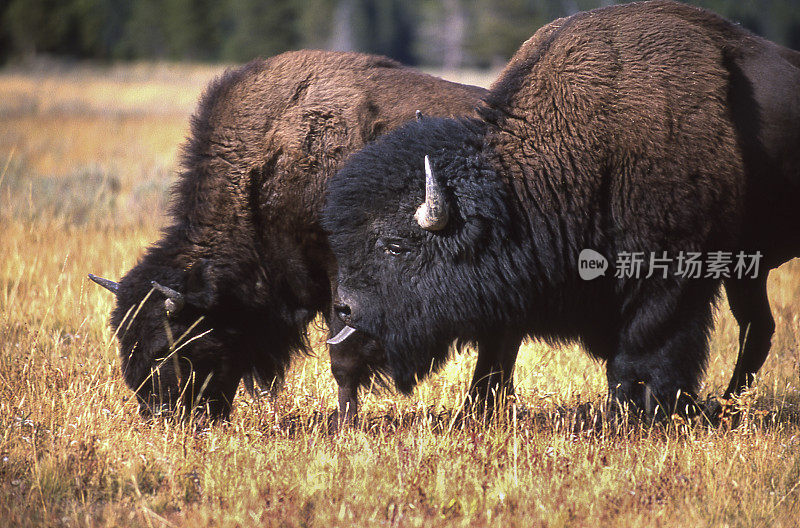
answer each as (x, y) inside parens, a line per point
(73, 451)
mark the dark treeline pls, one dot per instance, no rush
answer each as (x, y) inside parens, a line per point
(448, 33)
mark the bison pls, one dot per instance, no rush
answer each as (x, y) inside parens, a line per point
(229, 291)
(653, 129)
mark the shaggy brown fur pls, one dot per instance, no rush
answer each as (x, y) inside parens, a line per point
(245, 247)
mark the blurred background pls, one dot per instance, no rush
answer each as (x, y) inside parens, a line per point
(445, 34)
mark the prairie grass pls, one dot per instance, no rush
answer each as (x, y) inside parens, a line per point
(88, 156)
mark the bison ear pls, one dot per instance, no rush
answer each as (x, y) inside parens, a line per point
(201, 286)
(372, 121)
(371, 128)
(378, 128)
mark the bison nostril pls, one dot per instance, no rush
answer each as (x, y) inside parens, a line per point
(343, 311)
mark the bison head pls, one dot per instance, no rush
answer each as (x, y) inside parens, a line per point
(424, 233)
(170, 355)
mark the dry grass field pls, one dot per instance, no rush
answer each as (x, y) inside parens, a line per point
(87, 156)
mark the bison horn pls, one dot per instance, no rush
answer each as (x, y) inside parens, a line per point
(419, 115)
(174, 302)
(110, 285)
(432, 214)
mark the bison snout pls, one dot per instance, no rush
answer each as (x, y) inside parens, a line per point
(345, 307)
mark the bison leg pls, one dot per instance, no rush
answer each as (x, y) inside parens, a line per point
(750, 306)
(219, 406)
(210, 392)
(661, 352)
(493, 379)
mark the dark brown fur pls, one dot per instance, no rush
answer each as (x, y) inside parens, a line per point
(245, 246)
(710, 99)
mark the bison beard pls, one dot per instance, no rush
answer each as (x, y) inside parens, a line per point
(229, 291)
(651, 127)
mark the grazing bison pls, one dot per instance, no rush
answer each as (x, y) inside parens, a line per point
(230, 289)
(652, 128)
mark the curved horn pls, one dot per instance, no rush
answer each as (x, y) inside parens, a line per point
(432, 214)
(110, 285)
(174, 302)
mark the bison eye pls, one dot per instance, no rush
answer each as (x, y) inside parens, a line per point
(393, 248)
(390, 246)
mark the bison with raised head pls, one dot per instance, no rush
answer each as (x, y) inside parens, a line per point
(230, 289)
(652, 128)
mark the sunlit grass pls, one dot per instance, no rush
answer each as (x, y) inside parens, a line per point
(74, 452)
